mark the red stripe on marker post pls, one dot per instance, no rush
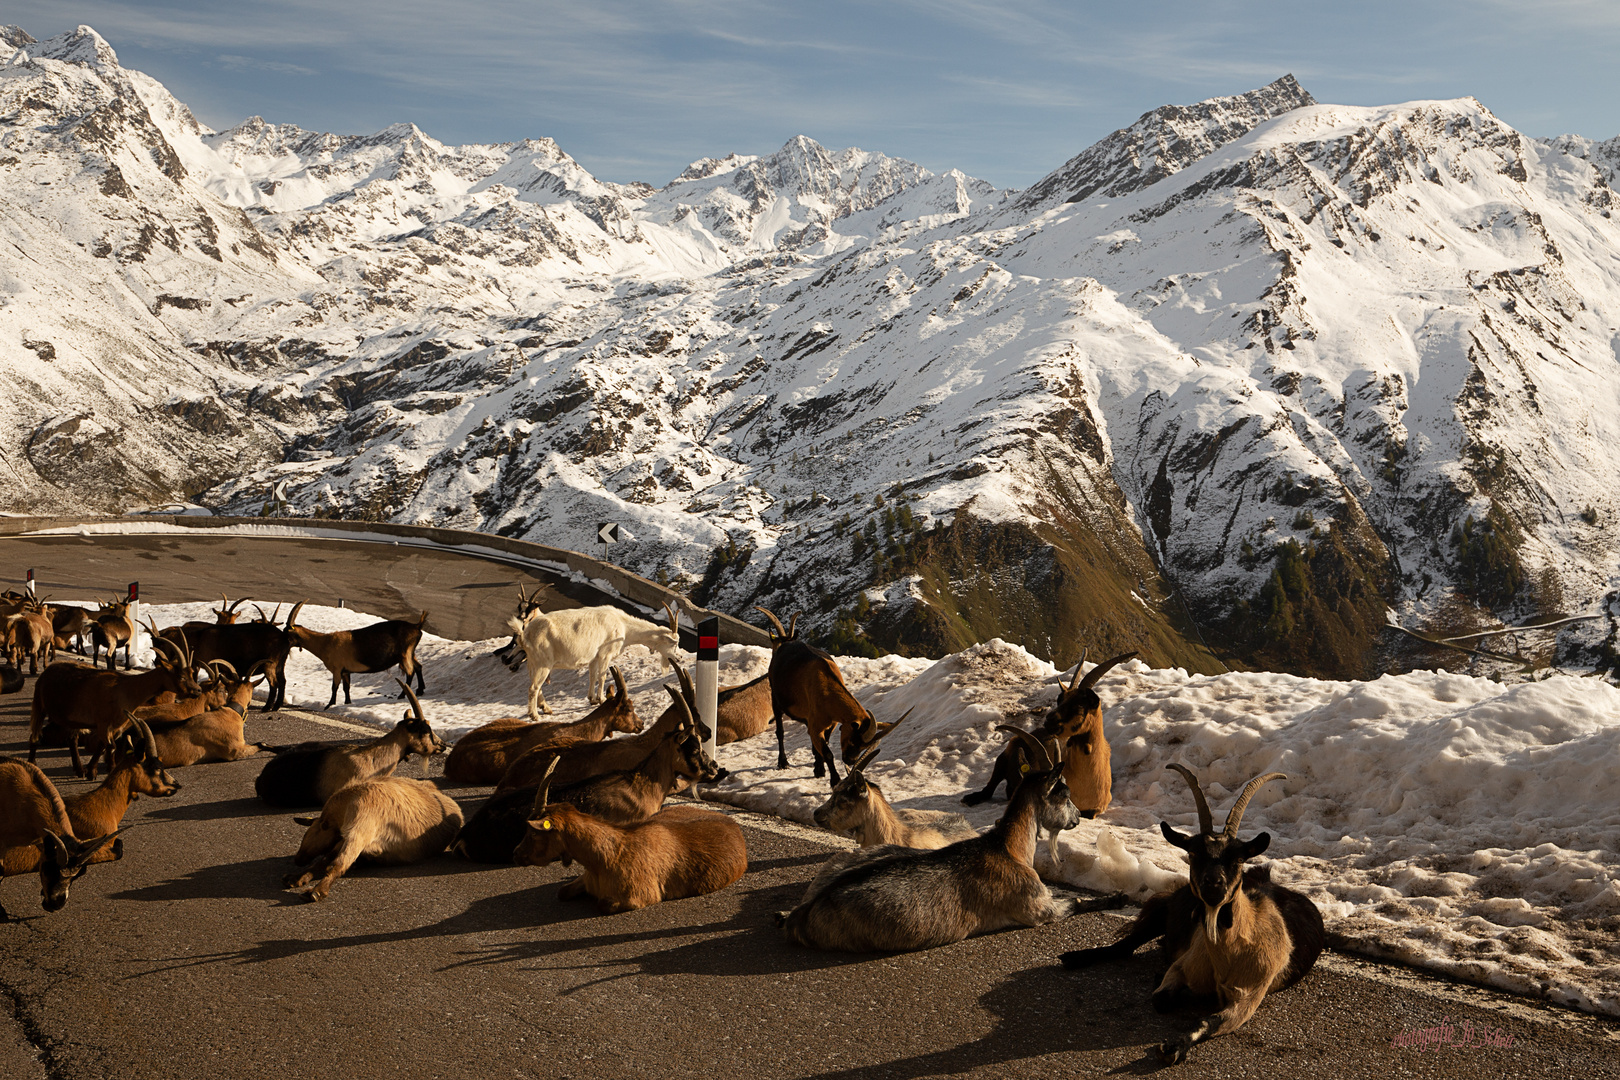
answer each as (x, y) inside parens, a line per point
(707, 680)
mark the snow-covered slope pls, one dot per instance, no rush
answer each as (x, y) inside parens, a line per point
(1271, 365)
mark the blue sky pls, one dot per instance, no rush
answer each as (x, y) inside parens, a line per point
(1002, 89)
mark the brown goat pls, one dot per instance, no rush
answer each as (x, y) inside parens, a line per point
(133, 769)
(71, 626)
(681, 852)
(807, 686)
(377, 647)
(77, 698)
(31, 633)
(214, 735)
(481, 756)
(1232, 935)
(244, 646)
(112, 628)
(36, 834)
(226, 614)
(1076, 722)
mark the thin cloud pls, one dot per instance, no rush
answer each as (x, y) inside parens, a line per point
(248, 63)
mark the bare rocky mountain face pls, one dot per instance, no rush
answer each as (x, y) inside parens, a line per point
(1247, 378)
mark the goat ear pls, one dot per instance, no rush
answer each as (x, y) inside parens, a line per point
(1257, 845)
(1181, 840)
(306, 822)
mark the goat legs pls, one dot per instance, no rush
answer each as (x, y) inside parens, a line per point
(1235, 1015)
(537, 700)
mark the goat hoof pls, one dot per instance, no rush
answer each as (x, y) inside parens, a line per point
(1174, 1051)
(781, 918)
(118, 849)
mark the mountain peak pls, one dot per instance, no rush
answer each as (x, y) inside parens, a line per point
(82, 45)
(1163, 142)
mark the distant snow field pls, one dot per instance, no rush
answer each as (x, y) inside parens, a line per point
(1441, 820)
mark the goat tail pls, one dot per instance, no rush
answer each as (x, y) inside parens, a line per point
(423, 620)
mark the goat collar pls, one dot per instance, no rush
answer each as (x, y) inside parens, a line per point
(239, 710)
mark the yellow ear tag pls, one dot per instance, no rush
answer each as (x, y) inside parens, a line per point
(1023, 768)
(546, 824)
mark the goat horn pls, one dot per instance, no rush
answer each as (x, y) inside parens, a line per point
(56, 846)
(1206, 824)
(416, 706)
(793, 624)
(224, 601)
(1102, 669)
(674, 616)
(1037, 750)
(1235, 817)
(542, 792)
(780, 631)
(687, 692)
(227, 665)
(238, 604)
(148, 740)
(619, 689)
(1078, 668)
(292, 616)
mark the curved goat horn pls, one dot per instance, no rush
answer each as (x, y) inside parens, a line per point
(688, 694)
(619, 689)
(1235, 817)
(416, 706)
(1038, 754)
(543, 792)
(239, 603)
(1206, 824)
(674, 616)
(1102, 669)
(780, 631)
(877, 744)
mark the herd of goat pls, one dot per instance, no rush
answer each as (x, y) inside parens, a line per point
(593, 791)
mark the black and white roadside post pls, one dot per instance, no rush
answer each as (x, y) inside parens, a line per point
(134, 617)
(30, 584)
(607, 533)
(707, 683)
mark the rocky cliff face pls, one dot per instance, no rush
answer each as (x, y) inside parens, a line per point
(1246, 375)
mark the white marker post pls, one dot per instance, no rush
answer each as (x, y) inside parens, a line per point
(30, 584)
(707, 683)
(134, 619)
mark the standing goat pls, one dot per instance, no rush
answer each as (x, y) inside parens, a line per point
(892, 899)
(77, 698)
(1232, 934)
(71, 626)
(244, 646)
(511, 654)
(31, 633)
(482, 756)
(377, 647)
(683, 851)
(807, 685)
(112, 628)
(589, 637)
(389, 820)
(857, 809)
(310, 773)
(1076, 722)
(36, 834)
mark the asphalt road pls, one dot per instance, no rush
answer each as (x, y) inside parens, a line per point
(187, 959)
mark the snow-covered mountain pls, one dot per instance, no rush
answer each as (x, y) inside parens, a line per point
(1246, 374)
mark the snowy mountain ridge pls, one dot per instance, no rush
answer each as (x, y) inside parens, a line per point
(1255, 374)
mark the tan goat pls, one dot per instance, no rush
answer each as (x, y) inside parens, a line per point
(482, 756)
(36, 834)
(389, 820)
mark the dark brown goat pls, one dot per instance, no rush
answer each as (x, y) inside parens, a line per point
(76, 698)
(244, 646)
(807, 686)
(482, 756)
(377, 647)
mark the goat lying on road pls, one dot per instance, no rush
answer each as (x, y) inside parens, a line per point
(482, 756)
(1233, 936)
(891, 899)
(857, 809)
(214, 735)
(680, 852)
(388, 820)
(310, 773)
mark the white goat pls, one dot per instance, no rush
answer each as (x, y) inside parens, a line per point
(580, 637)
